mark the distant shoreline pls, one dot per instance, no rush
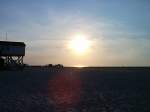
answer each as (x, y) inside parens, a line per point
(102, 67)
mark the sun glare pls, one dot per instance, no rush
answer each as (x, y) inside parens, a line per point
(79, 66)
(79, 44)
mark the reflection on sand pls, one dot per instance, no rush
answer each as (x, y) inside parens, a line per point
(65, 90)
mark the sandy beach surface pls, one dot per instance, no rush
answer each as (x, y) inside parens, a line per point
(75, 90)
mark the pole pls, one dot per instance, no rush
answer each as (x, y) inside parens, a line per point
(6, 36)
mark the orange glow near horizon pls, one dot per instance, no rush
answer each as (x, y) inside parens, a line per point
(79, 66)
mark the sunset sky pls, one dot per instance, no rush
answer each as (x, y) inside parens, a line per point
(79, 32)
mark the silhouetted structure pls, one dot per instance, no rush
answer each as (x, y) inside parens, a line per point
(1, 63)
(58, 66)
(12, 53)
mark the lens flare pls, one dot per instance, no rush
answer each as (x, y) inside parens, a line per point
(64, 90)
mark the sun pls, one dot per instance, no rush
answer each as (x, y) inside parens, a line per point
(79, 44)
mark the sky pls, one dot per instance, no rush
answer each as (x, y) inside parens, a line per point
(118, 30)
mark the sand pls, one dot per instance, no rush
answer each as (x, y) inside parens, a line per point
(75, 90)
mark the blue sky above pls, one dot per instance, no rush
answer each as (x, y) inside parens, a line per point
(119, 29)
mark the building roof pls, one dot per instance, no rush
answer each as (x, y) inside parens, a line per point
(22, 44)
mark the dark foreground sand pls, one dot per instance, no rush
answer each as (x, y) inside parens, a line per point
(75, 90)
